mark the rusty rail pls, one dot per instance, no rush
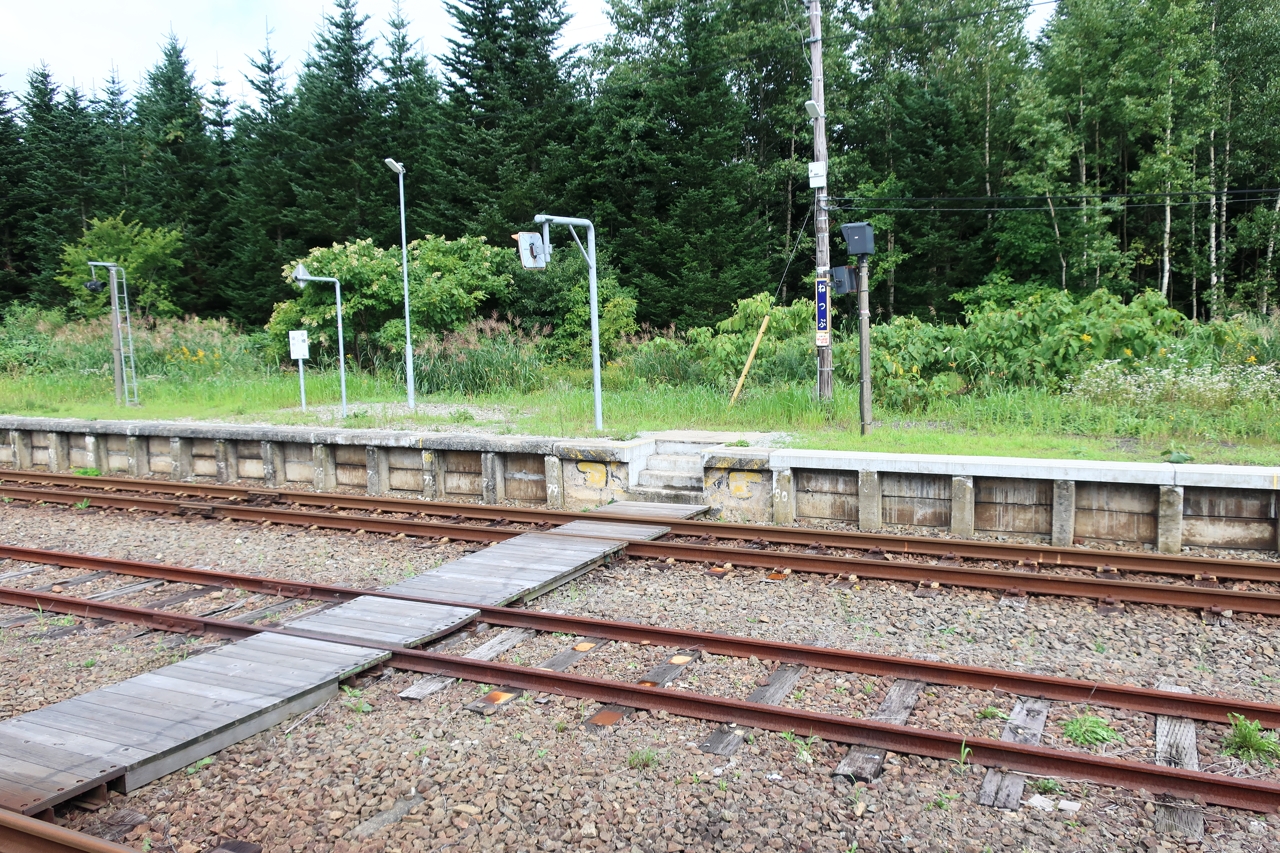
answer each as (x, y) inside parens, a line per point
(1209, 708)
(1135, 561)
(21, 834)
(1212, 788)
(1010, 581)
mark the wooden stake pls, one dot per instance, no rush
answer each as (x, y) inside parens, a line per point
(750, 358)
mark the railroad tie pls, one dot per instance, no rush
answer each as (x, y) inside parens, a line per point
(490, 702)
(865, 763)
(660, 676)
(1176, 747)
(726, 738)
(504, 642)
(1025, 725)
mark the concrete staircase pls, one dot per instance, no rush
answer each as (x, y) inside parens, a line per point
(673, 473)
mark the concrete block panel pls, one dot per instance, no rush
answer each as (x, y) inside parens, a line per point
(555, 481)
(249, 449)
(826, 494)
(344, 455)
(204, 466)
(352, 475)
(525, 477)
(463, 473)
(1007, 505)
(202, 447)
(248, 469)
(404, 480)
(916, 500)
(739, 495)
(1230, 518)
(1117, 512)
(589, 483)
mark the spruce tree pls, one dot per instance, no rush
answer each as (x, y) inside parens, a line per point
(339, 177)
(512, 113)
(264, 205)
(12, 284)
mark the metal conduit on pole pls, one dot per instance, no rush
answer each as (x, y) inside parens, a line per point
(301, 276)
(398, 168)
(821, 221)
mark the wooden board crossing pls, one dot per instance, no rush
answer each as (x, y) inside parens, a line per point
(136, 731)
(517, 569)
(131, 733)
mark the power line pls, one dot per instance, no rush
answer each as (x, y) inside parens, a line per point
(1171, 194)
(1064, 211)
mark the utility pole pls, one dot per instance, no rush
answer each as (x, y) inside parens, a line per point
(821, 222)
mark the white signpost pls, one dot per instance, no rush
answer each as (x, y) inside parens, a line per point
(300, 351)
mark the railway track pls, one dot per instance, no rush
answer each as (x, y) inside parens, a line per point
(21, 834)
(1212, 788)
(1188, 582)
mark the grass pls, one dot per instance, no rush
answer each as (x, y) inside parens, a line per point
(1248, 742)
(992, 713)
(802, 746)
(1014, 422)
(1088, 730)
(643, 759)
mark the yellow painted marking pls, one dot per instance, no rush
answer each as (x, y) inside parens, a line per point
(584, 647)
(680, 659)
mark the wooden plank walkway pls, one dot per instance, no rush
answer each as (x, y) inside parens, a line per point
(137, 731)
(519, 569)
(134, 732)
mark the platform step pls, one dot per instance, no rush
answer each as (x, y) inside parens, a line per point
(671, 480)
(683, 463)
(667, 496)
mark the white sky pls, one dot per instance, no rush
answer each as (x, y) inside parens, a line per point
(82, 39)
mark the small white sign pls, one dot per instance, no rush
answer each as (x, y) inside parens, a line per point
(817, 176)
(299, 346)
(533, 255)
(824, 339)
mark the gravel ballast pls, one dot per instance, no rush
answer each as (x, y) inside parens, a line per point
(528, 778)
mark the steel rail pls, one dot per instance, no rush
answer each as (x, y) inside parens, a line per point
(1003, 580)
(1212, 788)
(924, 546)
(22, 834)
(1208, 708)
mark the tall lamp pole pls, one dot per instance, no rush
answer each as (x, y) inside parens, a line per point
(301, 276)
(398, 168)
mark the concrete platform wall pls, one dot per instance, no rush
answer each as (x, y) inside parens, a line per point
(1135, 505)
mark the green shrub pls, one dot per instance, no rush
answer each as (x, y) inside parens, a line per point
(448, 281)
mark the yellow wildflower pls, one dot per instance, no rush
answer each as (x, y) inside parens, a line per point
(1086, 338)
(1128, 351)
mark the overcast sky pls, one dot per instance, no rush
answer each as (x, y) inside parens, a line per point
(81, 40)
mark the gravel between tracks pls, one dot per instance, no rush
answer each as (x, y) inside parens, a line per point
(527, 778)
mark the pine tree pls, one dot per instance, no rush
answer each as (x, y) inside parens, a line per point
(412, 132)
(512, 113)
(61, 180)
(12, 177)
(339, 177)
(175, 175)
(264, 205)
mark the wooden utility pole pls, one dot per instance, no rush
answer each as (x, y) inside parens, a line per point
(821, 221)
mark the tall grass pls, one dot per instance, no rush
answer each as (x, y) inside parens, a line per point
(482, 357)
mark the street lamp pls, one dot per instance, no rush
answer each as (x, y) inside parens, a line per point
(398, 168)
(301, 276)
(590, 254)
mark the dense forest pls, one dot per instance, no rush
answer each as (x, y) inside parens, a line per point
(1134, 145)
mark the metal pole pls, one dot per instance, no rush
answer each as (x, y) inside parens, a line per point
(595, 323)
(404, 265)
(117, 347)
(302, 385)
(821, 220)
(864, 345)
(342, 352)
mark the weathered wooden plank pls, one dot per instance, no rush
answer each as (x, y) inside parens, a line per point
(1176, 747)
(508, 639)
(603, 529)
(492, 701)
(659, 676)
(865, 763)
(1025, 725)
(728, 737)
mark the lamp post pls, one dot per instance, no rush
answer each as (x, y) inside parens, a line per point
(398, 168)
(301, 276)
(590, 254)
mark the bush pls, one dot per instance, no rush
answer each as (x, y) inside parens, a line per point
(183, 348)
(484, 356)
(149, 257)
(448, 281)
